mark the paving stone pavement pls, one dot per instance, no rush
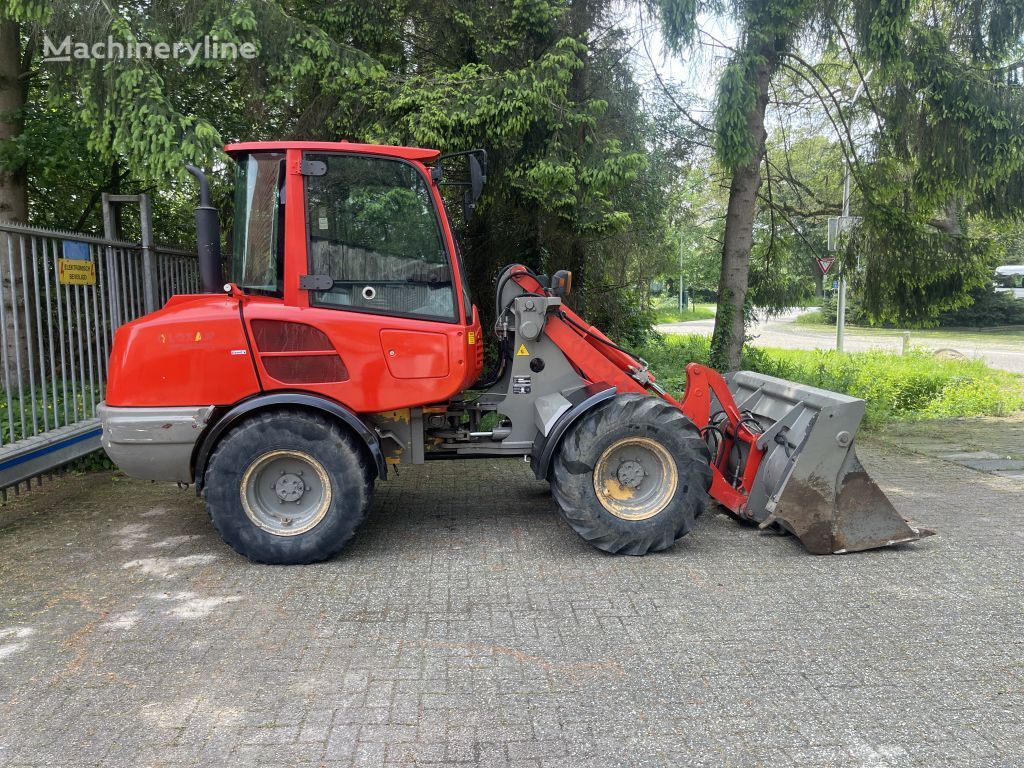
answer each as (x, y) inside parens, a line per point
(993, 445)
(467, 625)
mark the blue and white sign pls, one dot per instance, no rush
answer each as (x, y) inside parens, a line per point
(76, 250)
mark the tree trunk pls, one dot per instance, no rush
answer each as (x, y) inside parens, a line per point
(13, 197)
(730, 328)
(949, 223)
(13, 191)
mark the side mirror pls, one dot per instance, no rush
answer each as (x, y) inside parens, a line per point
(474, 185)
(561, 283)
(477, 178)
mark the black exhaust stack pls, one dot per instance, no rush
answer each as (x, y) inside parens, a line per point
(211, 278)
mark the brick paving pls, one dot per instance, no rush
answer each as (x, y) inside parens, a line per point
(985, 444)
(467, 625)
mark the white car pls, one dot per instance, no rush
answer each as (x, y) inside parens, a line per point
(1009, 278)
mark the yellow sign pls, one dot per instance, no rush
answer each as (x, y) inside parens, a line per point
(472, 337)
(522, 351)
(76, 272)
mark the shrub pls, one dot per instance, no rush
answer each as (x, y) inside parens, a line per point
(912, 386)
(629, 321)
(814, 317)
(989, 309)
(855, 314)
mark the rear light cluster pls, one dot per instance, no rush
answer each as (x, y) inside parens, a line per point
(296, 353)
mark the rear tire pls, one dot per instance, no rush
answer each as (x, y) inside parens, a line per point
(631, 475)
(288, 488)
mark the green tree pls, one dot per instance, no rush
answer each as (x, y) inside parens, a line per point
(142, 118)
(768, 32)
(948, 148)
(577, 169)
(575, 166)
(946, 101)
(70, 130)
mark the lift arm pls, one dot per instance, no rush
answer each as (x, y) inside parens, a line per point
(598, 359)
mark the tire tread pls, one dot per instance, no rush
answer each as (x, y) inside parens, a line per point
(350, 474)
(580, 450)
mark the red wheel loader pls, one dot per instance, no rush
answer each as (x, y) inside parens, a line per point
(346, 344)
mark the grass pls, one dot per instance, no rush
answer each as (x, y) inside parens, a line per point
(896, 387)
(814, 322)
(16, 412)
(667, 311)
(814, 317)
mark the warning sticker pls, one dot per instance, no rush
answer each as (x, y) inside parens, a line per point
(471, 337)
(521, 385)
(522, 351)
(76, 272)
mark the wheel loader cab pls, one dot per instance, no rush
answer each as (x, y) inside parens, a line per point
(358, 239)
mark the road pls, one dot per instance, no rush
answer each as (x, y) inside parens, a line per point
(466, 625)
(1005, 352)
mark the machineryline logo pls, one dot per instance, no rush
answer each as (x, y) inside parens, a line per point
(112, 50)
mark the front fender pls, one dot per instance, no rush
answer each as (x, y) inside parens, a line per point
(583, 400)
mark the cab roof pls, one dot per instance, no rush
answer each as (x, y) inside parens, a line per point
(405, 153)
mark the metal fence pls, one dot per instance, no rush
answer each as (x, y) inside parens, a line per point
(55, 336)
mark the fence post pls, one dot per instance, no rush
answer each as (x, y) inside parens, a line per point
(113, 278)
(149, 287)
(149, 272)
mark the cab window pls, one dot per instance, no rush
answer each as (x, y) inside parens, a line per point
(373, 229)
(257, 241)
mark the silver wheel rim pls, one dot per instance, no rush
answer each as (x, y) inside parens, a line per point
(635, 478)
(286, 492)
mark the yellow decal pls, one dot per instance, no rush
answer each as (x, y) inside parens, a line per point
(76, 272)
(522, 351)
(199, 336)
(472, 337)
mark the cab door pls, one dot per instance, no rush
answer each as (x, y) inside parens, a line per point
(381, 286)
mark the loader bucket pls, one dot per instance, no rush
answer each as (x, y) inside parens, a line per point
(810, 481)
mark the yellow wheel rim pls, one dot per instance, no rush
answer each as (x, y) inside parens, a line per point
(635, 478)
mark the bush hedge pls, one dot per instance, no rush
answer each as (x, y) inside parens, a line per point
(989, 310)
(912, 386)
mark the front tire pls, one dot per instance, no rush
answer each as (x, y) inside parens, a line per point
(631, 475)
(288, 487)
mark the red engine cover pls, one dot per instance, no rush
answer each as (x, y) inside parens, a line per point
(191, 352)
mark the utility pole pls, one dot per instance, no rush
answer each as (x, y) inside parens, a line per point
(844, 222)
(841, 304)
(680, 274)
